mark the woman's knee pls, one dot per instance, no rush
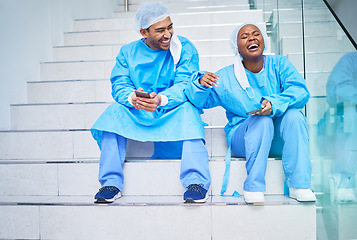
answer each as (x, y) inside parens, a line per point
(294, 115)
(262, 121)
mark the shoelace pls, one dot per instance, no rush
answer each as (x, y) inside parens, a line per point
(195, 187)
(109, 188)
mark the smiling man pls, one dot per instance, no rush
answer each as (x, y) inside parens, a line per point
(272, 86)
(148, 83)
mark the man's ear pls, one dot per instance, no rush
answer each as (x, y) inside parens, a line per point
(144, 32)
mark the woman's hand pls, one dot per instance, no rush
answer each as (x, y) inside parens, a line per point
(209, 80)
(266, 108)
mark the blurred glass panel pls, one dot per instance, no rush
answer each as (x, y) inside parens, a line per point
(331, 76)
(306, 32)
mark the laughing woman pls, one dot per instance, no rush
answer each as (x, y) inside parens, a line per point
(272, 85)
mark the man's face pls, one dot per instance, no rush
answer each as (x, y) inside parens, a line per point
(250, 42)
(158, 36)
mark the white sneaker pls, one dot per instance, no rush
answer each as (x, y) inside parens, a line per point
(302, 195)
(253, 197)
(345, 195)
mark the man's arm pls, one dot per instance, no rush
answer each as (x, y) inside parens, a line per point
(200, 90)
(122, 86)
(188, 64)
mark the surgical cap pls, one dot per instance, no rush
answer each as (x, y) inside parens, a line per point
(149, 14)
(234, 36)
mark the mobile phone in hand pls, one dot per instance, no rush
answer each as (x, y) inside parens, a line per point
(254, 111)
(142, 94)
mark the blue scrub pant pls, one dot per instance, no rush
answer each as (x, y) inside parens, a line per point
(259, 137)
(194, 162)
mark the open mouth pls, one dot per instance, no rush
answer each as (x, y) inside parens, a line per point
(165, 42)
(254, 46)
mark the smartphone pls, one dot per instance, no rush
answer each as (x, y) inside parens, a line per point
(142, 94)
(254, 111)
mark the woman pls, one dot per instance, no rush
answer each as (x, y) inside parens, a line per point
(272, 85)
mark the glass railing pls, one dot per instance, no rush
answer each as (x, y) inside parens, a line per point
(307, 33)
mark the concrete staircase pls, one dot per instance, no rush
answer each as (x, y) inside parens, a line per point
(49, 161)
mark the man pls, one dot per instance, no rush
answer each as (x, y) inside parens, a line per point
(160, 63)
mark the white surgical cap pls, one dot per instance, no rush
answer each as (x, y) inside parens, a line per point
(149, 14)
(234, 37)
(239, 70)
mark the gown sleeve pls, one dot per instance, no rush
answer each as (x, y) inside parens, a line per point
(200, 96)
(122, 85)
(293, 90)
(188, 64)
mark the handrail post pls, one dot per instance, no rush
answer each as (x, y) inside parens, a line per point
(126, 5)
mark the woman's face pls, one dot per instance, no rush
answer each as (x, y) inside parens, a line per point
(250, 42)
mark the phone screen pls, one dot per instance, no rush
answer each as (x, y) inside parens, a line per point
(142, 94)
(254, 111)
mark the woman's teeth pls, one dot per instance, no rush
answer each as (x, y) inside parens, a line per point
(253, 46)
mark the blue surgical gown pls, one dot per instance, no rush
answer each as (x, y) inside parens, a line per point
(136, 66)
(279, 82)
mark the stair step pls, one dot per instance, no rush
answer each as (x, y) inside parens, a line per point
(315, 44)
(79, 144)
(179, 20)
(189, 6)
(311, 28)
(142, 177)
(93, 70)
(140, 218)
(315, 61)
(316, 82)
(89, 70)
(110, 52)
(310, 14)
(85, 53)
(192, 32)
(78, 116)
(69, 91)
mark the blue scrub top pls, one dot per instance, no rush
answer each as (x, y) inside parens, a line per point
(279, 82)
(136, 66)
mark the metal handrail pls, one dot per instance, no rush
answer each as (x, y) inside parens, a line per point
(126, 5)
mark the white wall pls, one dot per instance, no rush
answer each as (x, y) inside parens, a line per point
(28, 31)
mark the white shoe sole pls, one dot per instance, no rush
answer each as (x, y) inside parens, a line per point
(255, 199)
(293, 196)
(190, 200)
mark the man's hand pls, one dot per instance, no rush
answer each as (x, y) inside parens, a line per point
(209, 79)
(147, 104)
(266, 108)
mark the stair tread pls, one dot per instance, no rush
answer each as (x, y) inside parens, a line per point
(271, 199)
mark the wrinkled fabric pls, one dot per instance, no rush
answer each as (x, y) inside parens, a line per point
(137, 65)
(194, 162)
(259, 137)
(279, 82)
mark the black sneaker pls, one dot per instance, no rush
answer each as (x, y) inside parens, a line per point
(107, 194)
(195, 193)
